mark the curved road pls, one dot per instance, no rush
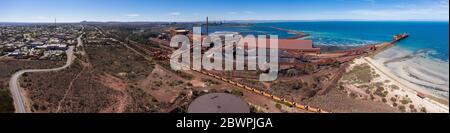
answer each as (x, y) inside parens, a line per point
(14, 85)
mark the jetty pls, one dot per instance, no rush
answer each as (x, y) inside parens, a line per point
(382, 46)
(298, 34)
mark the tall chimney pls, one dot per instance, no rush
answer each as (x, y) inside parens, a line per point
(207, 23)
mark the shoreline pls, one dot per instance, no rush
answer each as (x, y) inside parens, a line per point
(385, 87)
(297, 34)
(408, 89)
(422, 73)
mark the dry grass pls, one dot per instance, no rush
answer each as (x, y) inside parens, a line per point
(8, 67)
(361, 74)
(107, 84)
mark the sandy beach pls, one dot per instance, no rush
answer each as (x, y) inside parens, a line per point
(413, 73)
(388, 88)
(422, 73)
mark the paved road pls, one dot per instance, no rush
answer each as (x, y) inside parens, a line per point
(14, 85)
(4, 55)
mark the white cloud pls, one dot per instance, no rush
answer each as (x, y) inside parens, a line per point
(434, 11)
(133, 15)
(174, 14)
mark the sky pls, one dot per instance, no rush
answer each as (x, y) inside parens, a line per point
(197, 10)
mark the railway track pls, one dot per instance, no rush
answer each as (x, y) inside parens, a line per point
(259, 92)
(265, 94)
(254, 90)
(276, 98)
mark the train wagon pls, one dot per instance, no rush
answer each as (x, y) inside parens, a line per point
(320, 111)
(224, 79)
(313, 109)
(300, 106)
(267, 94)
(276, 98)
(290, 103)
(307, 107)
(248, 88)
(256, 91)
(240, 85)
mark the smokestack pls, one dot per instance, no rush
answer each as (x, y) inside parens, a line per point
(207, 23)
(56, 27)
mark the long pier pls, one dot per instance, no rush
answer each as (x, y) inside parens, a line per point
(298, 34)
(396, 38)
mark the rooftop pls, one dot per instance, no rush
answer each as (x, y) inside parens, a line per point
(286, 44)
(218, 103)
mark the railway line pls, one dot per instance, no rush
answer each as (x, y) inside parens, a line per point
(254, 90)
(263, 93)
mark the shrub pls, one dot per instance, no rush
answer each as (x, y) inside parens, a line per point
(353, 95)
(372, 97)
(278, 106)
(381, 92)
(393, 99)
(367, 91)
(189, 84)
(237, 92)
(423, 109)
(395, 87)
(184, 75)
(360, 73)
(405, 100)
(210, 82)
(176, 83)
(296, 86)
(6, 101)
(157, 83)
(402, 108)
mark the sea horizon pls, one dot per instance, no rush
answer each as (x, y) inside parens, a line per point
(243, 21)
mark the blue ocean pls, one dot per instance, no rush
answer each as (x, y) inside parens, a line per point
(432, 37)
